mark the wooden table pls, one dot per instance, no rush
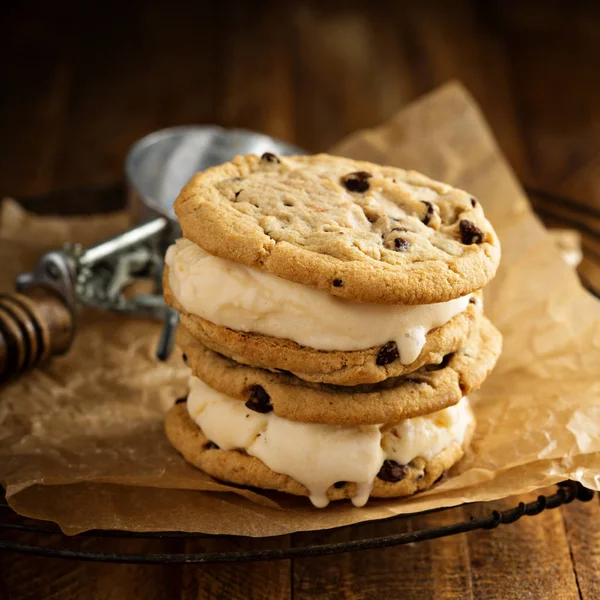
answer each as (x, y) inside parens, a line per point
(79, 87)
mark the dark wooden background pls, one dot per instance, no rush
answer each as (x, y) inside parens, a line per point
(80, 82)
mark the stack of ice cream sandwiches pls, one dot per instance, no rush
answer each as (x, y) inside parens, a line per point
(332, 321)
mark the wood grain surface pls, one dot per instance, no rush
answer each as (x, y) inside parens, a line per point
(82, 81)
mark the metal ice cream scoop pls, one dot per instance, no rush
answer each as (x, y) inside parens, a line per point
(40, 319)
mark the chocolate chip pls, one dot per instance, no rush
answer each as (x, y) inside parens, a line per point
(401, 245)
(470, 233)
(339, 484)
(181, 400)
(184, 356)
(259, 400)
(270, 157)
(392, 471)
(428, 213)
(387, 354)
(357, 182)
(472, 300)
(473, 202)
(211, 446)
(338, 283)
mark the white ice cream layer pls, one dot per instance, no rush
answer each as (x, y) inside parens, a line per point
(244, 299)
(320, 455)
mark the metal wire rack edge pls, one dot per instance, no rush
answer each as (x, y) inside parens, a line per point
(566, 493)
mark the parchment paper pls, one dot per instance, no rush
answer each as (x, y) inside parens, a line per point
(81, 440)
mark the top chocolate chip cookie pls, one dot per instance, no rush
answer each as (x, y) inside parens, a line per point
(357, 230)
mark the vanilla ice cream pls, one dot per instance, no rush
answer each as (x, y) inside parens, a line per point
(244, 299)
(316, 455)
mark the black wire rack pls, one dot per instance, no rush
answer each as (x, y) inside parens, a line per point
(41, 532)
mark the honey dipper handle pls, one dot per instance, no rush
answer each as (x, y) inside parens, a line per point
(33, 327)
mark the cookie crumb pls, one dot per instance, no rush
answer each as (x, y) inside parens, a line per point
(270, 157)
(387, 354)
(338, 283)
(259, 400)
(356, 182)
(391, 471)
(470, 233)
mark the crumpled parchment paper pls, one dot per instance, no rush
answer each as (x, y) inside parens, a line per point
(81, 440)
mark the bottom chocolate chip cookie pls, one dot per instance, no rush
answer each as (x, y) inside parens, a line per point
(238, 445)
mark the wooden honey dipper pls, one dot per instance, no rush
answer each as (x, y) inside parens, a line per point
(33, 327)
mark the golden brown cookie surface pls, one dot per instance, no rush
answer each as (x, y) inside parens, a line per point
(429, 389)
(357, 230)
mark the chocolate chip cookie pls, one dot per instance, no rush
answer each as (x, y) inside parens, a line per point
(357, 230)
